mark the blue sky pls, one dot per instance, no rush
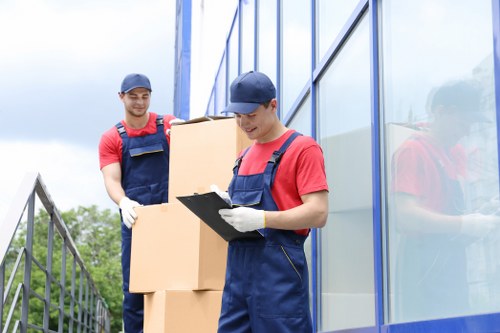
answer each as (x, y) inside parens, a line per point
(61, 65)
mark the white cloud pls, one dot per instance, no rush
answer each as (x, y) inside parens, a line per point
(37, 31)
(70, 173)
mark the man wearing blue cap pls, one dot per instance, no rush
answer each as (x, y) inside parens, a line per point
(279, 187)
(435, 219)
(134, 160)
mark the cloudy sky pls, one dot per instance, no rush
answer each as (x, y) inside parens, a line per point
(61, 66)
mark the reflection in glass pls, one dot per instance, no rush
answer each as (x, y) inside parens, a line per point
(441, 159)
(430, 212)
(296, 60)
(332, 15)
(347, 278)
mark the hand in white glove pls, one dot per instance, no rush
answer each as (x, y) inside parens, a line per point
(244, 219)
(479, 225)
(491, 206)
(174, 122)
(128, 212)
(222, 194)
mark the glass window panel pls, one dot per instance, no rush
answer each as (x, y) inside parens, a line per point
(247, 35)
(220, 88)
(332, 15)
(346, 242)
(441, 158)
(267, 42)
(301, 122)
(211, 105)
(296, 60)
(233, 54)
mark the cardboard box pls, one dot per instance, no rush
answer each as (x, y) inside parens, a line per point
(176, 311)
(173, 249)
(203, 152)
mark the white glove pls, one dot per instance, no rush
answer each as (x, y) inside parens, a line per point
(479, 225)
(222, 194)
(244, 219)
(174, 122)
(491, 206)
(128, 212)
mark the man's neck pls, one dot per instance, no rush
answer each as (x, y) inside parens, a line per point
(137, 122)
(277, 131)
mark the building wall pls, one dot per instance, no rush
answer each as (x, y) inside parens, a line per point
(360, 77)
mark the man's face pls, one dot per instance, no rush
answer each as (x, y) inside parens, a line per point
(258, 124)
(454, 124)
(136, 101)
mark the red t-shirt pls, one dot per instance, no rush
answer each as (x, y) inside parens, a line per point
(110, 146)
(418, 167)
(300, 171)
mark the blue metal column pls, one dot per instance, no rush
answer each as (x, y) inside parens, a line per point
(376, 167)
(314, 233)
(183, 60)
(496, 61)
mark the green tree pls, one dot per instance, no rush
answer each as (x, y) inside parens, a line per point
(97, 236)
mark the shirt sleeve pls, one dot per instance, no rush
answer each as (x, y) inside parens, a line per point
(407, 165)
(311, 174)
(110, 148)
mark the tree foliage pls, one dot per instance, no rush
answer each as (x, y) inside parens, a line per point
(98, 238)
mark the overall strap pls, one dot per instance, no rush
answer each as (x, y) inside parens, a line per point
(121, 130)
(274, 160)
(159, 120)
(237, 163)
(123, 133)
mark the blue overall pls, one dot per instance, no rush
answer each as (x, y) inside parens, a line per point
(266, 287)
(145, 165)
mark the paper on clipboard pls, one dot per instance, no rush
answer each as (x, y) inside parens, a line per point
(206, 206)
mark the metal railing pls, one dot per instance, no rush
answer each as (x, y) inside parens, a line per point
(48, 290)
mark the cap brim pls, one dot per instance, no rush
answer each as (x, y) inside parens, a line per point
(130, 89)
(241, 108)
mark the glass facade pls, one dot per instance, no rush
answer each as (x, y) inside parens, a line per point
(441, 161)
(403, 103)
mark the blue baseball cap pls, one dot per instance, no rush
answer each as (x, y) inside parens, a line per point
(248, 91)
(464, 97)
(135, 80)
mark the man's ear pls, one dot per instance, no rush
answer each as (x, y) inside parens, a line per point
(438, 110)
(274, 103)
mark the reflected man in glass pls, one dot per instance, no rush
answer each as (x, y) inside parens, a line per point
(432, 220)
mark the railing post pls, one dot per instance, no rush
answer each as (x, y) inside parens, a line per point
(48, 274)
(28, 263)
(62, 287)
(2, 288)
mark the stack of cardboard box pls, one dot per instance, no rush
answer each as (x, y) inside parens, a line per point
(177, 260)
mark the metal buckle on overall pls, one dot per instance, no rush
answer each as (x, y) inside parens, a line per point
(275, 157)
